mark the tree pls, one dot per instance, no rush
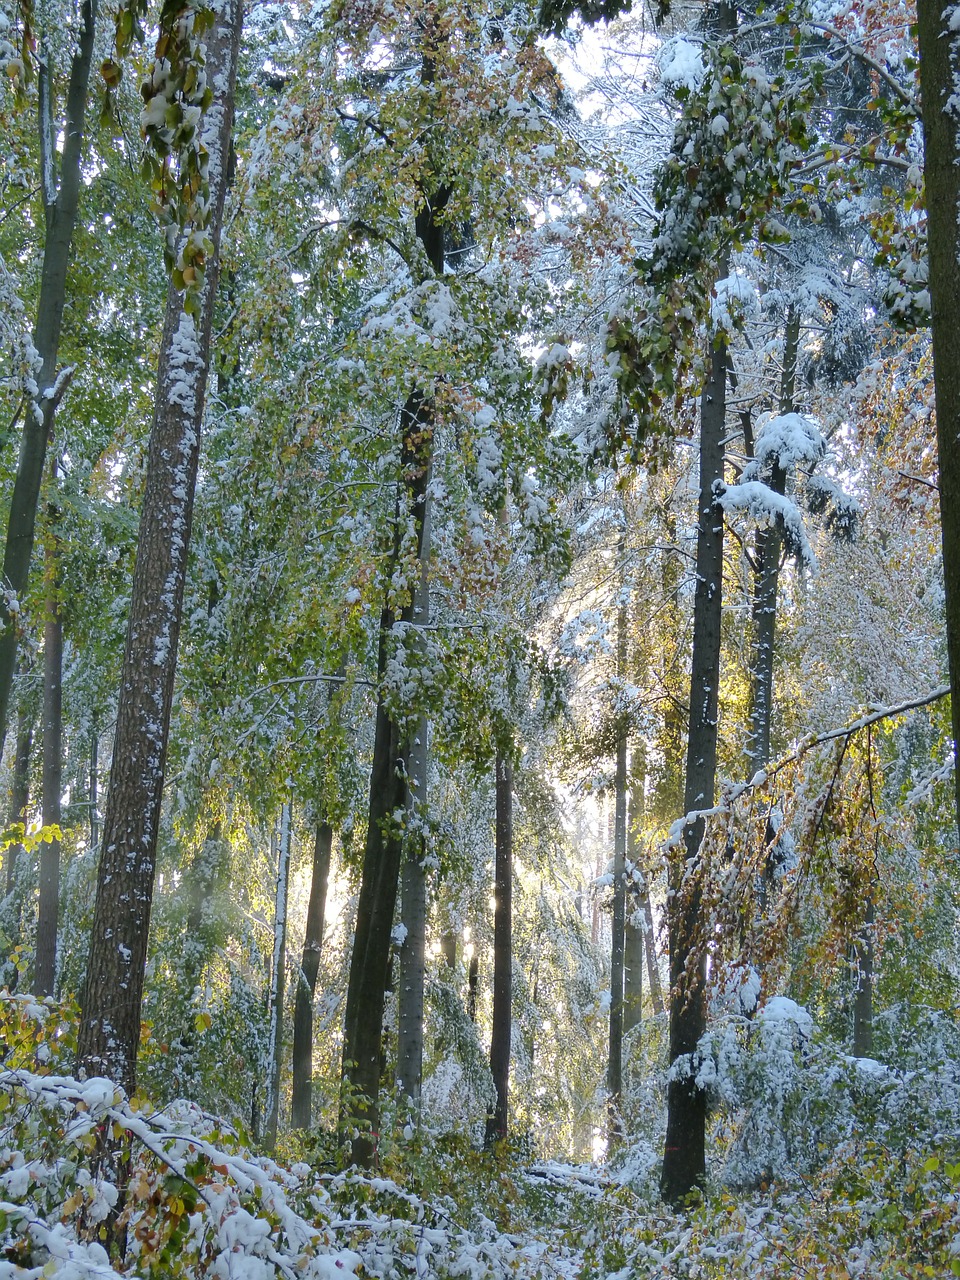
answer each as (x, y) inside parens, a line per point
(48, 914)
(301, 1103)
(939, 39)
(110, 1020)
(501, 1033)
(46, 384)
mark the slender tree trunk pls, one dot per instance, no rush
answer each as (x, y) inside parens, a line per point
(769, 547)
(863, 993)
(615, 1052)
(498, 1120)
(20, 792)
(413, 910)
(48, 913)
(633, 972)
(278, 973)
(94, 785)
(110, 1010)
(473, 986)
(200, 886)
(633, 927)
(939, 69)
(684, 1157)
(10, 917)
(60, 203)
(448, 952)
(302, 1105)
(650, 947)
(370, 961)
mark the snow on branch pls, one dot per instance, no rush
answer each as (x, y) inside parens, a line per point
(766, 507)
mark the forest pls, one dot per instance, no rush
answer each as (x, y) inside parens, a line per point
(481, 598)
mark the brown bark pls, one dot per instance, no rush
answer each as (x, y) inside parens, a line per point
(370, 961)
(301, 1108)
(48, 910)
(498, 1119)
(60, 205)
(110, 1010)
(939, 68)
(684, 1158)
(617, 933)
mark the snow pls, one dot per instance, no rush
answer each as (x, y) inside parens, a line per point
(681, 64)
(789, 440)
(733, 296)
(781, 1009)
(768, 508)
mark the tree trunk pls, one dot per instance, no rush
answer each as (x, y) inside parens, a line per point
(94, 785)
(302, 1105)
(200, 886)
(413, 908)
(497, 1121)
(615, 1052)
(939, 68)
(278, 973)
(110, 1011)
(473, 986)
(60, 203)
(10, 920)
(650, 947)
(370, 961)
(369, 965)
(684, 1157)
(769, 546)
(863, 993)
(633, 928)
(48, 912)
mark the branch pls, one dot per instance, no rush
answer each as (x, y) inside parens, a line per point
(858, 51)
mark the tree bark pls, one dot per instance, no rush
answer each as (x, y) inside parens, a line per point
(939, 68)
(48, 911)
(769, 547)
(370, 961)
(301, 1113)
(413, 909)
(94, 785)
(278, 973)
(498, 1120)
(650, 947)
(60, 204)
(633, 927)
(684, 1156)
(615, 1051)
(10, 920)
(863, 992)
(110, 1009)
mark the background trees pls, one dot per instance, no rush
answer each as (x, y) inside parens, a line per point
(628, 354)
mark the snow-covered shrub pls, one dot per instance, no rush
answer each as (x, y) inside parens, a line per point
(787, 1098)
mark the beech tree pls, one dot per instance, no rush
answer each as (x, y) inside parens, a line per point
(939, 53)
(110, 1019)
(44, 384)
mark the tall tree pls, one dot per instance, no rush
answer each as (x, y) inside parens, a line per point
(110, 1010)
(413, 912)
(370, 961)
(61, 199)
(278, 973)
(615, 1050)
(501, 1031)
(301, 1107)
(48, 909)
(939, 38)
(684, 1154)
